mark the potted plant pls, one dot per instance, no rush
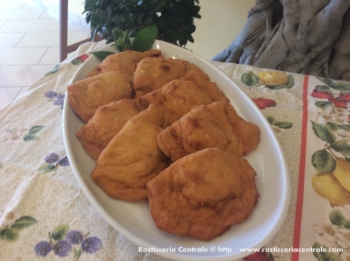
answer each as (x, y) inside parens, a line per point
(173, 19)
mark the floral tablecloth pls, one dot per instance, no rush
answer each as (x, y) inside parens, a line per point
(44, 215)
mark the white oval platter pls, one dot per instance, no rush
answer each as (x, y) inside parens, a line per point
(134, 221)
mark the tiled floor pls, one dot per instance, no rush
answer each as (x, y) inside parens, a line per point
(29, 40)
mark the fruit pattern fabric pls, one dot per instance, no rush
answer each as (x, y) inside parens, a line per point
(327, 169)
(44, 214)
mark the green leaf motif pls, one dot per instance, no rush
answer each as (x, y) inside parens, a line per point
(77, 253)
(323, 132)
(101, 55)
(9, 234)
(250, 79)
(346, 224)
(323, 104)
(342, 146)
(337, 218)
(322, 88)
(344, 127)
(333, 126)
(47, 168)
(76, 61)
(270, 119)
(23, 222)
(325, 80)
(340, 86)
(32, 133)
(54, 70)
(145, 38)
(30, 137)
(59, 232)
(322, 254)
(289, 84)
(323, 161)
(35, 129)
(283, 124)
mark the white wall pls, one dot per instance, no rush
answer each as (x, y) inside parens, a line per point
(221, 22)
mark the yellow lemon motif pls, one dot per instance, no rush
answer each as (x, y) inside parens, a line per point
(273, 78)
(327, 186)
(342, 172)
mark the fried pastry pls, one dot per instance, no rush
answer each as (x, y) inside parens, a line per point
(106, 123)
(203, 81)
(123, 62)
(87, 95)
(203, 194)
(180, 96)
(133, 157)
(152, 73)
(216, 125)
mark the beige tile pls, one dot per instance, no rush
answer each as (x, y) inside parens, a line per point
(2, 22)
(32, 39)
(10, 39)
(50, 14)
(22, 75)
(11, 3)
(26, 13)
(35, 39)
(74, 17)
(21, 56)
(37, 25)
(33, 4)
(51, 56)
(52, 4)
(7, 95)
(22, 91)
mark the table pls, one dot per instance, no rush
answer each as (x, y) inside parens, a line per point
(40, 200)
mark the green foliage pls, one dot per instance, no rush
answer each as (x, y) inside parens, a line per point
(174, 18)
(144, 39)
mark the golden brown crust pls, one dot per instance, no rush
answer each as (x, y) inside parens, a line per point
(180, 96)
(106, 123)
(216, 125)
(132, 157)
(123, 62)
(203, 81)
(87, 95)
(203, 194)
(152, 73)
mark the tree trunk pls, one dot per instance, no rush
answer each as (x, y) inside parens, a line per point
(301, 36)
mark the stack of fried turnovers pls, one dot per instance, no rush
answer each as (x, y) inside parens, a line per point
(133, 157)
(152, 73)
(106, 123)
(216, 125)
(178, 97)
(87, 95)
(123, 62)
(203, 194)
(160, 130)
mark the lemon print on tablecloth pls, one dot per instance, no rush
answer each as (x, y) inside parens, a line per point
(328, 186)
(342, 173)
(273, 78)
